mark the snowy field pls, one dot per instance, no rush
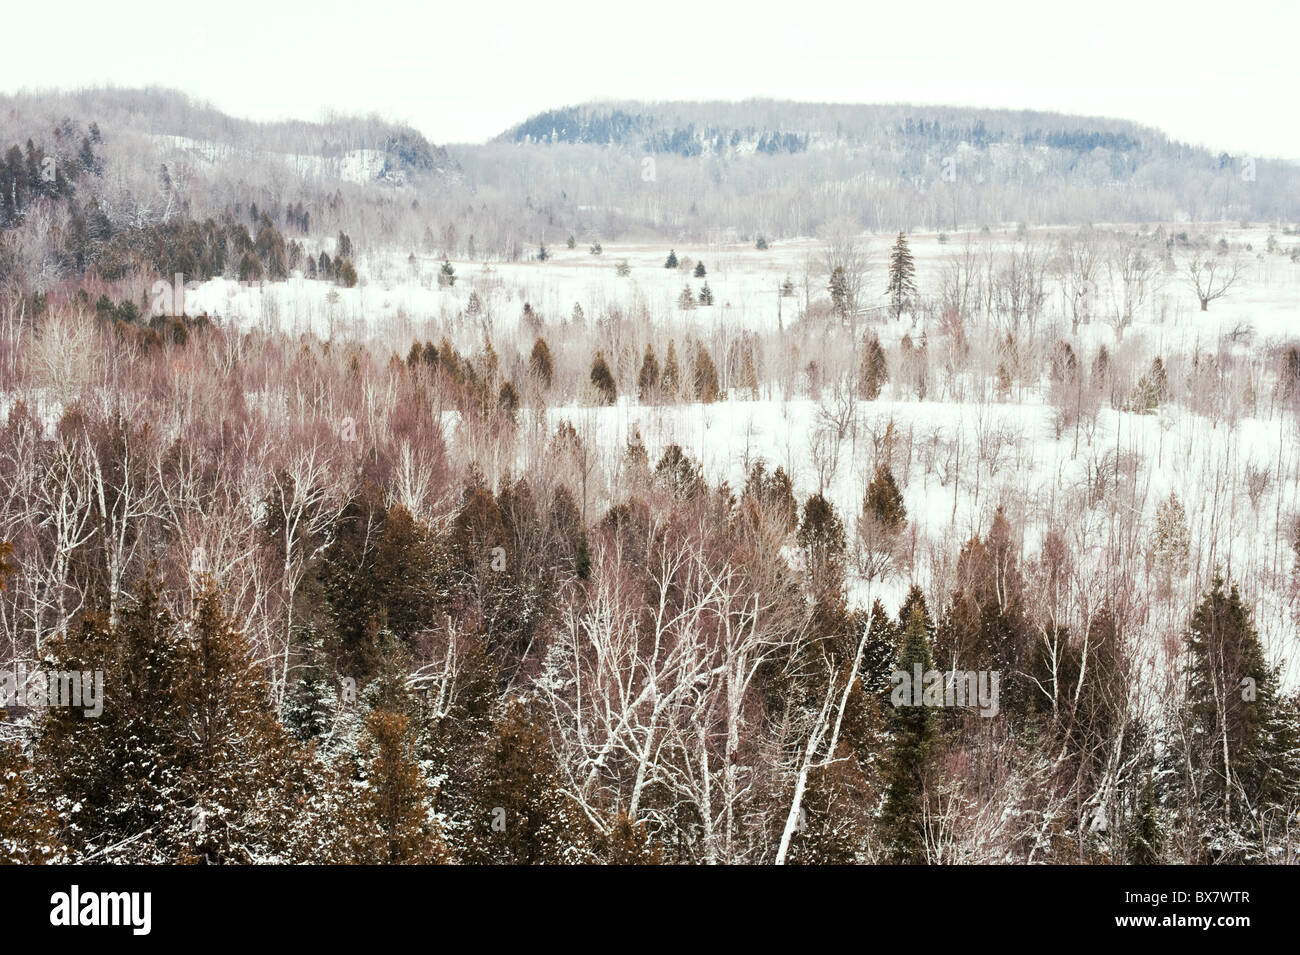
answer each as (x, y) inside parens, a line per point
(958, 455)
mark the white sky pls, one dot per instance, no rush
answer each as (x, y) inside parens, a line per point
(1217, 73)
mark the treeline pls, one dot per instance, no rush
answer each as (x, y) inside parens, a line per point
(335, 628)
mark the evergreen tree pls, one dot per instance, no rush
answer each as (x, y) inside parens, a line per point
(706, 295)
(838, 287)
(520, 813)
(912, 740)
(648, 380)
(392, 820)
(447, 274)
(707, 389)
(699, 270)
(540, 363)
(821, 536)
(671, 261)
(670, 383)
(1242, 751)
(28, 834)
(902, 277)
(884, 501)
(687, 299)
(603, 380)
(874, 372)
(312, 703)
(1143, 837)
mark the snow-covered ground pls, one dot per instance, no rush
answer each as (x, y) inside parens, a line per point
(955, 460)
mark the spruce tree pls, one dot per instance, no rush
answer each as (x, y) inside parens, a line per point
(912, 732)
(902, 277)
(1242, 749)
(671, 261)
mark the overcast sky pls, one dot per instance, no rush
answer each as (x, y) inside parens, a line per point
(1214, 73)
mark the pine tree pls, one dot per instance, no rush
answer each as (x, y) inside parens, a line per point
(312, 703)
(603, 380)
(1170, 542)
(392, 821)
(687, 299)
(648, 380)
(447, 274)
(875, 371)
(1242, 750)
(520, 814)
(706, 295)
(233, 798)
(28, 833)
(670, 383)
(902, 278)
(839, 291)
(707, 389)
(884, 501)
(699, 270)
(821, 535)
(540, 363)
(1143, 837)
(912, 740)
(671, 261)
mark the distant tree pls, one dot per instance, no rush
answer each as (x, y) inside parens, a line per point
(687, 299)
(838, 288)
(671, 261)
(902, 277)
(707, 388)
(540, 363)
(874, 372)
(648, 380)
(1211, 276)
(699, 270)
(706, 295)
(670, 383)
(603, 380)
(821, 536)
(597, 249)
(571, 242)
(347, 274)
(542, 253)
(760, 243)
(447, 274)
